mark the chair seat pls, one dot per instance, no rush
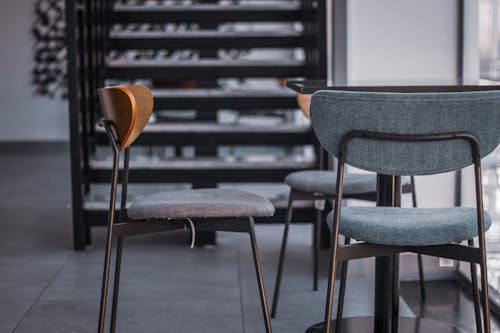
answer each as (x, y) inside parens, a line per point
(409, 226)
(202, 203)
(323, 181)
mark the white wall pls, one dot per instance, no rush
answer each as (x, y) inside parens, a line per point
(471, 40)
(405, 40)
(23, 115)
(401, 39)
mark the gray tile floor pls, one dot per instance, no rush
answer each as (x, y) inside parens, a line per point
(166, 287)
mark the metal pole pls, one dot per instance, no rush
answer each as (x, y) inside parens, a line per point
(277, 284)
(329, 42)
(494, 38)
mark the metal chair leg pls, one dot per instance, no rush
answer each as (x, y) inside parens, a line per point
(281, 262)
(260, 279)
(421, 276)
(331, 286)
(475, 293)
(419, 256)
(334, 249)
(316, 231)
(486, 300)
(343, 282)
(105, 282)
(88, 235)
(116, 287)
(395, 292)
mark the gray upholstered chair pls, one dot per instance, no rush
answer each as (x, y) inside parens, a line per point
(320, 185)
(127, 110)
(408, 134)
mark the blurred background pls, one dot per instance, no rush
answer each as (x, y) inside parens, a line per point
(223, 115)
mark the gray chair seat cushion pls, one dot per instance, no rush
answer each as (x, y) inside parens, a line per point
(321, 181)
(202, 203)
(409, 226)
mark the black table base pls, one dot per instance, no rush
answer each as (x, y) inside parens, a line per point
(406, 325)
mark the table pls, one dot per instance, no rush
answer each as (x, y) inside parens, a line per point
(386, 317)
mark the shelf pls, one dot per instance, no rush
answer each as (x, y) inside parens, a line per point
(97, 216)
(203, 134)
(201, 170)
(208, 13)
(96, 202)
(202, 69)
(205, 40)
(213, 99)
(232, 103)
(98, 197)
(277, 193)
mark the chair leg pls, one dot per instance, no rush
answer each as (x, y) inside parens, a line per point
(419, 256)
(486, 300)
(343, 282)
(395, 292)
(316, 231)
(105, 282)
(260, 279)
(421, 278)
(281, 262)
(116, 287)
(475, 293)
(331, 286)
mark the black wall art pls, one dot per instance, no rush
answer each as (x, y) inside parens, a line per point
(49, 69)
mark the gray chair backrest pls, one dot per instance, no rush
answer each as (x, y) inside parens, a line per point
(335, 113)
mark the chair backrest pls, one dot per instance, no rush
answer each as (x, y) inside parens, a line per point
(335, 113)
(128, 109)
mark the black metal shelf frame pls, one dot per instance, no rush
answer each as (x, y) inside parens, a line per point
(207, 13)
(205, 41)
(203, 70)
(89, 41)
(211, 100)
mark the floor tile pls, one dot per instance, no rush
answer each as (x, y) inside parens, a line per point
(166, 287)
(12, 312)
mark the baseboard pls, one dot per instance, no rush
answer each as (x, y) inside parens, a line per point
(15, 147)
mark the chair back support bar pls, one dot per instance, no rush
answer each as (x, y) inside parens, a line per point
(127, 109)
(337, 113)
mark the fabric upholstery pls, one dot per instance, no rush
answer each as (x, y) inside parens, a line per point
(335, 113)
(320, 181)
(409, 226)
(323, 181)
(202, 203)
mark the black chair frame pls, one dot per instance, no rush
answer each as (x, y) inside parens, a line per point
(469, 253)
(122, 228)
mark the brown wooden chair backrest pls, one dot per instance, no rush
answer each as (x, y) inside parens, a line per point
(128, 109)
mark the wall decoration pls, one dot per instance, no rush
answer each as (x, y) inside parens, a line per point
(49, 69)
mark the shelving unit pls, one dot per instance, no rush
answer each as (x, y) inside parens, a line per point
(222, 116)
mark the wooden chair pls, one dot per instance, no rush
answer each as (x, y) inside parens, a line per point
(127, 110)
